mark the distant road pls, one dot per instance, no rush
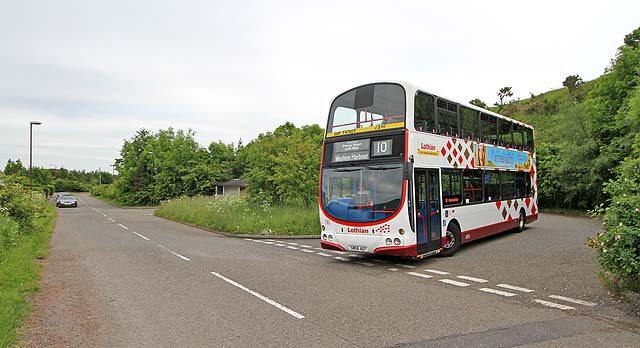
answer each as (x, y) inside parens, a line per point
(124, 278)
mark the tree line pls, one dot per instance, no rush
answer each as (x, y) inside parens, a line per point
(50, 180)
(281, 166)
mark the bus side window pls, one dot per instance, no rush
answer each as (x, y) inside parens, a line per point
(469, 123)
(528, 139)
(504, 133)
(488, 128)
(451, 187)
(447, 118)
(424, 113)
(491, 186)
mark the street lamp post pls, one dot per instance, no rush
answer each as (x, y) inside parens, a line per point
(31, 124)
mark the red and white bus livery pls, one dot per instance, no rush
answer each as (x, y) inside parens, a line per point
(410, 173)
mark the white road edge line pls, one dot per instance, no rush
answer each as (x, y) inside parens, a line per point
(516, 288)
(436, 271)
(421, 275)
(453, 282)
(174, 253)
(263, 298)
(141, 236)
(472, 279)
(497, 292)
(123, 226)
(572, 300)
(553, 304)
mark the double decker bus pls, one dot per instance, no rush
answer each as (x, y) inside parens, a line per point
(410, 173)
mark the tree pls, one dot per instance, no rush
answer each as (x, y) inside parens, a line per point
(503, 94)
(479, 103)
(283, 165)
(15, 168)
(572, 82)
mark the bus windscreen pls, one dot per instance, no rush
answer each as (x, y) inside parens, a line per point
(376, 105)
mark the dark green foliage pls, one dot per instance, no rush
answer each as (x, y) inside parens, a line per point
(479, 103)
(283, 166)
(167, 164)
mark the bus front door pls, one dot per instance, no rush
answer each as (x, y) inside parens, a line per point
(427, 198)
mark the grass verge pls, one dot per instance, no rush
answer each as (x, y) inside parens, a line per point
(238, 215)
(19, 274)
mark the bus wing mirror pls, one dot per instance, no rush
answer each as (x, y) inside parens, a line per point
(407, 170)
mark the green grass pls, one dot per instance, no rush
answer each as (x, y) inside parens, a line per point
(19, 274)
(237, 215)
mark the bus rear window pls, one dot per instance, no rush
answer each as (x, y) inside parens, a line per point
(368, 106)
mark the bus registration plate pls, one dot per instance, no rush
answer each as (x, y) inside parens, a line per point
(357, 248)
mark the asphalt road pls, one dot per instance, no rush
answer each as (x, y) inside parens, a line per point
(122, 277)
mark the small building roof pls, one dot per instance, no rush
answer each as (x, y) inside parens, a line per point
(232, 182)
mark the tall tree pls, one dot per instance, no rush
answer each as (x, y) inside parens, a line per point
(571, 82)
(503, 94)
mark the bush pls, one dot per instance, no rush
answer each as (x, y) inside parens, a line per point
(619, 244)
(9, 231)
(20, 204)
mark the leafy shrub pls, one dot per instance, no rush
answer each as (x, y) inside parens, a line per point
(619, 244)
(9, 231)
(18, 203)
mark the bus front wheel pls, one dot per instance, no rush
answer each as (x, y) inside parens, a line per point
(453, 240)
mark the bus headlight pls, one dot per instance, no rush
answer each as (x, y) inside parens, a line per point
(330, 237)
(388, 241)
(324, 237)
(396, 241)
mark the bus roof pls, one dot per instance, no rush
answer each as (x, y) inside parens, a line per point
(413, 88)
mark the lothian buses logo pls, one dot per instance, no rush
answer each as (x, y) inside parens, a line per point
(357, 230)
(427, 150)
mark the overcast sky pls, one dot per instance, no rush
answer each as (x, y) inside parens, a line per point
(94, 72)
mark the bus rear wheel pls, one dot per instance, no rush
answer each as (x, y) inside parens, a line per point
(521, 222)
(453, 241)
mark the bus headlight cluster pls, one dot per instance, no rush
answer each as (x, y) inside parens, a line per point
(328, 237)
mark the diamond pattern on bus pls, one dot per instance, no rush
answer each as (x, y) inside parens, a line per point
(459, 153)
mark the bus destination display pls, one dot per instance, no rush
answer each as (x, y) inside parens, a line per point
(358, 150)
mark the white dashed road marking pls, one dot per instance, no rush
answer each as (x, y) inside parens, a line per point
(453, 282)
(306, 246)
(323, 254)
(405, 266)
(553, 305)
(174, 253)
(497, 292)
(344, 259)
(421, 275)
(436, 271)
(516, 288)
(292, 248)
(393, 269)
(123, 226)
(472, 279)
(263, 298)
(572, 300)
(112, 220)
(307, 251)
(141, 236)
(278, 244)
